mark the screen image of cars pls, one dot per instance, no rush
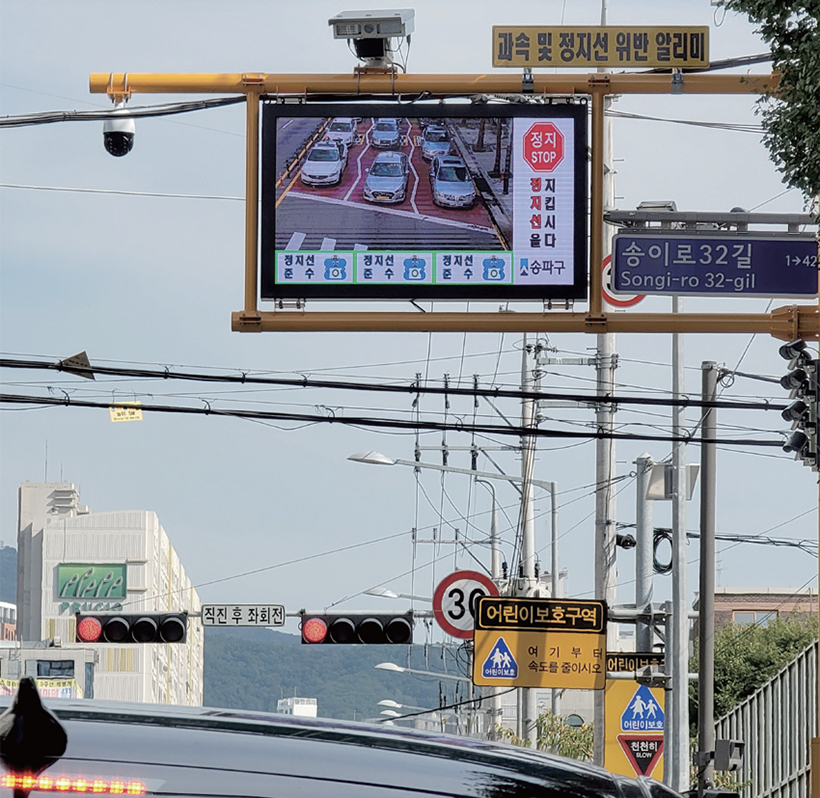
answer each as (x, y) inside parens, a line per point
(343, 129)
(161, 750)
(387, 178)
(450, 183)
(435, 141)
(324, 164)
(385, 133)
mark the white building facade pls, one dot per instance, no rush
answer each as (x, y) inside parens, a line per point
(70, 559)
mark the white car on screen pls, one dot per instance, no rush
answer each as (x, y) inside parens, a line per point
(324, 164)
(385, 133)
(343, 129)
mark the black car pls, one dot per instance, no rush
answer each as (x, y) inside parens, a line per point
(138, 749)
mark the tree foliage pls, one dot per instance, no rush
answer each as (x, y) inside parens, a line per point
(791, 115)
(553, 735)
(247, 668)
(748, 656)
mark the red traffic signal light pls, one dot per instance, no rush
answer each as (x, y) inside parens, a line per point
(357, 629)
(144, 627)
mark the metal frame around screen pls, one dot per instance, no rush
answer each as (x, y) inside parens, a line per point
(273, 290)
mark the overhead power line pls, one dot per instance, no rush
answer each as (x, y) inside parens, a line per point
(413, 388)
(380, 423)
(168, 109)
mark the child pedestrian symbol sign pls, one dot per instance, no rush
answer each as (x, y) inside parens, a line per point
(500, 664)
(642, 713)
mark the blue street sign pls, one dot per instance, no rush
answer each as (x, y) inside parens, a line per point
(716, 265)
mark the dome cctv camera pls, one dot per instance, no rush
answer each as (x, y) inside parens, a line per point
(118, 134)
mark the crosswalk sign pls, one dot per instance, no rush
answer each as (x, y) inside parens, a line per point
(643, 713)
(500, 662)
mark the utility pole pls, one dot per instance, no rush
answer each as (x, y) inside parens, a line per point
(676, 744)
(606, 363)
(644, 535)
(495, 574)
(527, 581)
(706, 598)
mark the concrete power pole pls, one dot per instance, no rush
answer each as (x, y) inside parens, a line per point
(606, 363)
(527, 581)
(644, 535)
(676, 754)
(706, 595)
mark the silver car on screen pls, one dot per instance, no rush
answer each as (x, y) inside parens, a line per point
(387, 178)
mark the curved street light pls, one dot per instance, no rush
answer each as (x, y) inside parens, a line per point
(393, 668)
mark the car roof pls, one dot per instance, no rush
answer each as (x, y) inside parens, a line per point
(390, 156)
(450, 160)
(269, 754)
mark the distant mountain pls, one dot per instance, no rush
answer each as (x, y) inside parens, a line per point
(247, 668)
(8, 574)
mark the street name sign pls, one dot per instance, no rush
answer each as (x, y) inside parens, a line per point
(534, 642)
(600, 46)
(243, 615)
(736, 264)
(455, 599)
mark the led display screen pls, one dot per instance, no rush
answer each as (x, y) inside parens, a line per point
(418, 201)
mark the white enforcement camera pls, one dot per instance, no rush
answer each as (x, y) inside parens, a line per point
(119, 132)
(371, 31)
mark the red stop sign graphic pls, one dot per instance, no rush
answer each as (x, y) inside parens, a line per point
(543, 146)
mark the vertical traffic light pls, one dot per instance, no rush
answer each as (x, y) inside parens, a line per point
(355, 628)
(804, 389)
(144, 627)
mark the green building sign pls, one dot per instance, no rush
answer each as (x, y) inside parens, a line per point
(92, 581)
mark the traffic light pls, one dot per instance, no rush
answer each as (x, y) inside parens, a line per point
(352, 629)
(802, 383)
(143, 627)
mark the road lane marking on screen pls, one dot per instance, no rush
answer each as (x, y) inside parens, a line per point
(396, 212)
(295, 241)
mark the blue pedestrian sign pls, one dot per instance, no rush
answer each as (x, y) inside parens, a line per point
(642, 713)
(715, 265)
(500, 664)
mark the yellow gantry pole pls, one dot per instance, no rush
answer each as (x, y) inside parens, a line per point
(251, 201)
(123, 84)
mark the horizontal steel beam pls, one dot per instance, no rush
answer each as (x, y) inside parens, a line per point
(123, 84)
(786, 323)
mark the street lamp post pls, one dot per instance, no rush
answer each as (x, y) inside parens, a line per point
(384, 592)
(377, 458)
(391, 666)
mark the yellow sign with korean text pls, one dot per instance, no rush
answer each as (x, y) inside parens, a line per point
(633, 744)
(121, 413)
(532, 642)
(590, 47)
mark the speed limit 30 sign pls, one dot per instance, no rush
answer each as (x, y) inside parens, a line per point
(455, 599)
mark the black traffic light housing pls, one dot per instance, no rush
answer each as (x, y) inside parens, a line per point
(804, 389)
(130, 628)
(356, 628)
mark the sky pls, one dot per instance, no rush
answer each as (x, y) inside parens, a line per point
(139, 262)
